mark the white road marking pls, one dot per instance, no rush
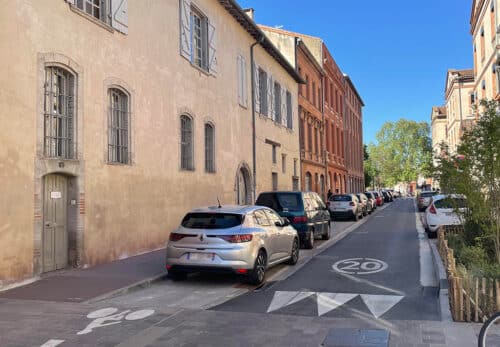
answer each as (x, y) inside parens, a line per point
(285, 298)
(108, 316)
(326, 302)
(141, 314)
(52, 343)
(360, 266)
(380, 304)
(330, 301)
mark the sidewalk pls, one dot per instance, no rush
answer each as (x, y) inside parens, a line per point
(79, 285)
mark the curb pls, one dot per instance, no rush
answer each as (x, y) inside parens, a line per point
(145, 283)
(444, 301)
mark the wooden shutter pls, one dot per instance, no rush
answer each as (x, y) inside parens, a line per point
(212, 49)
(240, 77)
(119, 15)
(270, 93)
(256, 87)
(185, 28)
(283, 106)
(244, 93)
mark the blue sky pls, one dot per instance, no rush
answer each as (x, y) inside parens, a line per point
(396, 52)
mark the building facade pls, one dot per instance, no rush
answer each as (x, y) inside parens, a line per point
(458, 91)
(353, 127)
(484, 23)
(130, 116)
(439, 123)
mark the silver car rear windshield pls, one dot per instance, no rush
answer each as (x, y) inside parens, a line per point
(202, 220)
(450, 203)
(341, 198)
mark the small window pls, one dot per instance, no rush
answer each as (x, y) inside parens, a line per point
(313, 101)
(263, 92)
(277, 102)
(275, 160)
(483, 84)
(186, 143)
(283, 163)
(199, 39)
(275, 181)
(119, 127)
(289, 111)
(99, 9)
(260, 218)
(242, 81)
(209, 148)
(307, 181)
(295, 166)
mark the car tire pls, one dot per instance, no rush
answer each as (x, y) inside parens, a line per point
(176, 275)
(326, 236)
(294, 257)
(309, 243)
(258, 273)
(356, 217)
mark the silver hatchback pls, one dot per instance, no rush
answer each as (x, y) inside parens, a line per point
(243, 240)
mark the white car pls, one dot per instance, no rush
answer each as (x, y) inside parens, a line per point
(443, 211)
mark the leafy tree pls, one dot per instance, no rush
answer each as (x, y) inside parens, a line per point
(403, 151)
(369, 169)
(474, 170)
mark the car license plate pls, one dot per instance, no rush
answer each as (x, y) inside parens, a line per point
(200, 256)
(448, 214)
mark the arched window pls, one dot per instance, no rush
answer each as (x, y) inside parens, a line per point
(59, 113)
(118, 127)
(209, 148)
(307, 182)
(187, 162)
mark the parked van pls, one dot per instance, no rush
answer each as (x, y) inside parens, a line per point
(305, 210)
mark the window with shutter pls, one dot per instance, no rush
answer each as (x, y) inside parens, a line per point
(270, 100)
(263, 92)
(118, 127)
(212, 49)
(119, 15)
(289, 110)
(242, 81)
(185, 28)
(277, 102)
(283, 107)
(257, 95)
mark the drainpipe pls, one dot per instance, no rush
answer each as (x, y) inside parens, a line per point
(299, 124)
(325, 162)
(254, 134)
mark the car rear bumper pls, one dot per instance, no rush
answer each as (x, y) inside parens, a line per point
(343, 214)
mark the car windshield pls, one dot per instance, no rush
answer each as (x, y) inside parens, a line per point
(281, 201)
(427, 194)
(450, 203)
(341, 198)
(211, 220)
(369, 195)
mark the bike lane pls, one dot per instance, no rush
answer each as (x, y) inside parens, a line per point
(372, 273)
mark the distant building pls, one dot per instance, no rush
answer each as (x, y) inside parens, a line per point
(458, 90)
(438, 128)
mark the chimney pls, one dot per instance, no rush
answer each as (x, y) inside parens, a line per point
(249, 12)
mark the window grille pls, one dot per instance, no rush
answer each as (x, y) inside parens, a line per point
(96, 8)
(263, 92)
(209, 148)
(59, 113)
(186, 143)
(119, 127)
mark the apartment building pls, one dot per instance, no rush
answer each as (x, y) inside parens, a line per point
(438, 128)
(123, 115)
(353, 128)
(459, 112)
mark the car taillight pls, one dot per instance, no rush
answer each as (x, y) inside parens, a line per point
(237, 238)
(299, 219)
(432, 209)
(178, 237)
(352, 203)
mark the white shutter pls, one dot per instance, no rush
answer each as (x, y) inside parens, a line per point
(244, 94)
(270, 93)
(212, 49)
(119, 15)
(283, 106)
(240, 77)
(185, 28)
(256, 87)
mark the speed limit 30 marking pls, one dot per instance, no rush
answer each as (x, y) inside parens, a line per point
(360, 266)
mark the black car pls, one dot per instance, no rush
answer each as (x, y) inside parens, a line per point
(305, 210)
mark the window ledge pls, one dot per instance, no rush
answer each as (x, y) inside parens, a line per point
(112, 163)
(91, 18)
(203, 71)
(245, 107)
(187, 170)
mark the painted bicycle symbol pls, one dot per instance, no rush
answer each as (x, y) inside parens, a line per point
(108, 316)
(360, 266)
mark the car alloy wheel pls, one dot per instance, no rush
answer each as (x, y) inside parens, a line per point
(259, 270)
(294, 256)
(326, 236)
(310, 241)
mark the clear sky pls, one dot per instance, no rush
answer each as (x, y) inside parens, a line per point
(396, 52)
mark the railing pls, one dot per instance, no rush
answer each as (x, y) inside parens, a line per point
(472, 298)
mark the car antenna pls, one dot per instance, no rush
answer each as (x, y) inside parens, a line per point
(220, 206)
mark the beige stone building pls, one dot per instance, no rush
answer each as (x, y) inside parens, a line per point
(484, 22)
(438, 128)
(119, 116)
(458, 91)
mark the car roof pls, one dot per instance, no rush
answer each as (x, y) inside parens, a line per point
(235, 209)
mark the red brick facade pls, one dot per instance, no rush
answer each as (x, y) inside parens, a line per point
(334, 123)
(353, 125)
(311, 122)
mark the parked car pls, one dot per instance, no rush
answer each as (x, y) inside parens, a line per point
(244, 240)
(442, 211)
(424, 199)
(305, 210)
(386, 196)
(371, 201)
(345, 206)
(365, 206)
(378, 198)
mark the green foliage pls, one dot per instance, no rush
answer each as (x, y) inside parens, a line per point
(403, 151)
(475, 172)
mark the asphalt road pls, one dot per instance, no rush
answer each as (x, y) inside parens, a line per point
(377, 275)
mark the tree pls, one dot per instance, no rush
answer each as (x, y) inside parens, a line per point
(475, 172)
(403, 151)
(369, 169)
